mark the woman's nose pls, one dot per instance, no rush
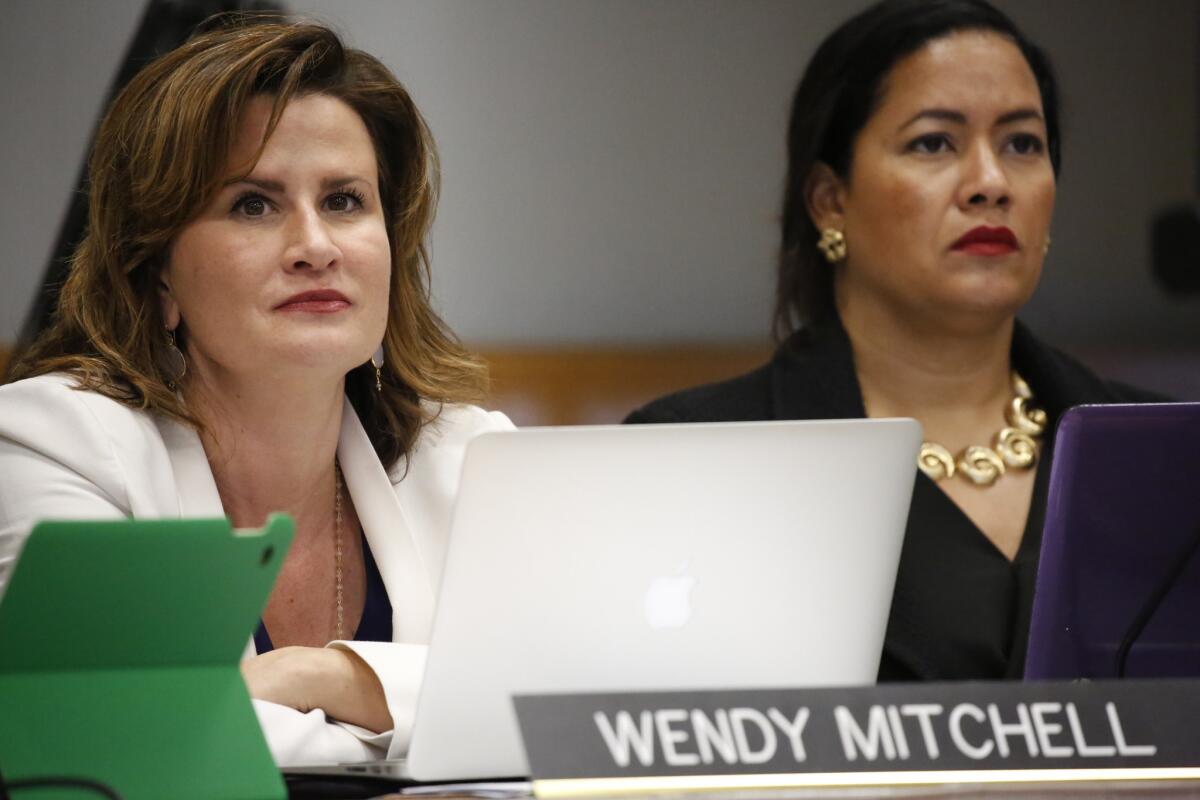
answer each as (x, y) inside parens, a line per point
(985, 182)
(310, 244)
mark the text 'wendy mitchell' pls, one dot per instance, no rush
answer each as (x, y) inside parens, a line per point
(681, 737)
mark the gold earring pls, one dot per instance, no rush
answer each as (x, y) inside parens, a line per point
(1046, 247)
(832, 244)
(173, 361)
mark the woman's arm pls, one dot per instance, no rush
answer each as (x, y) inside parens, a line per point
(296, 738)
(332, 679)
(385, 679)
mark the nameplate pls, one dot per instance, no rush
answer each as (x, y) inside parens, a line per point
(889, 734)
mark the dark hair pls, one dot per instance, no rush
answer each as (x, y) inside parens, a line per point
(841, 88)
(159, 157)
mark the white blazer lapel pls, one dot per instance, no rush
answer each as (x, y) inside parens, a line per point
(194, 484)
(402, 565)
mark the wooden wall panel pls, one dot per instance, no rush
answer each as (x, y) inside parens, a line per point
(590, 385)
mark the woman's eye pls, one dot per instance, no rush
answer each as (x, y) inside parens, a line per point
(251, 205)
(930, 143)
(1026, 144)
(344, 201)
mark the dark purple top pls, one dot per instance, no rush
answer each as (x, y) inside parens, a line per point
(376, 622)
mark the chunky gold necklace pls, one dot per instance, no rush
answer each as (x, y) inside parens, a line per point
(1013, 447)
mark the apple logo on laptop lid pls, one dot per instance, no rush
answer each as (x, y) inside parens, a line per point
(668, 600)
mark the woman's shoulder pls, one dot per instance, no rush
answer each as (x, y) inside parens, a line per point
(68, 451)
(810, 375)
(26, 406)
(742, 398)
(52, 384)
(443, 439)
(449, 423)
(1067, 380)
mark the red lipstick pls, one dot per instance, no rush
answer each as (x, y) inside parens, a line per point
(317, 301)
(985, 241)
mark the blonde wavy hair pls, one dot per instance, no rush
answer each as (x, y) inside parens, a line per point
(158, 160)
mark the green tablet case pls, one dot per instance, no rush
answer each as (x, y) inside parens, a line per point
(119, 651)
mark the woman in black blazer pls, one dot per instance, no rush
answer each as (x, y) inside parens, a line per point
(922, 155)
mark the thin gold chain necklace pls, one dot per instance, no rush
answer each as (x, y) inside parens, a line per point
(1013, 447)
(337, 543)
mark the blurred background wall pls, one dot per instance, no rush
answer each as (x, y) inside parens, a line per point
(613, 171)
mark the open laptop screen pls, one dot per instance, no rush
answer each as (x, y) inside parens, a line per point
(1118, 587)
(644, 557)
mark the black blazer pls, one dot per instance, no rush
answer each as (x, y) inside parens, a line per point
(960, 610)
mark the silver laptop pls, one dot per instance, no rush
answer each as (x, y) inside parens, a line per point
(650, 557)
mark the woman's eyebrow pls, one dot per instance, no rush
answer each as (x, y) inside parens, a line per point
(262, 183)
(944, 114)
(277, 186)
(959, 118)
(1019, 115)
(342, 180)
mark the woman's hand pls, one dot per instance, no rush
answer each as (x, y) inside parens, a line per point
(332, 679)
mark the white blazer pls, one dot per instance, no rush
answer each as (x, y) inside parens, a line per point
(72, 454)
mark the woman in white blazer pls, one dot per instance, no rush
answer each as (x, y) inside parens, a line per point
(247, 329)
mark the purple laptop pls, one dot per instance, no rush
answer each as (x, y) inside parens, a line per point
(1118, 585)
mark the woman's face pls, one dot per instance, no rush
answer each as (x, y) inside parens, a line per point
(289, 266)
(946, 210)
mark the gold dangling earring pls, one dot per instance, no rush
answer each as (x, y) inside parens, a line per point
(173, 362)
(832, 244)
(1046, 247)
(377, 363)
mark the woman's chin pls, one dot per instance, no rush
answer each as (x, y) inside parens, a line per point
(316, 359)
(996, 297)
